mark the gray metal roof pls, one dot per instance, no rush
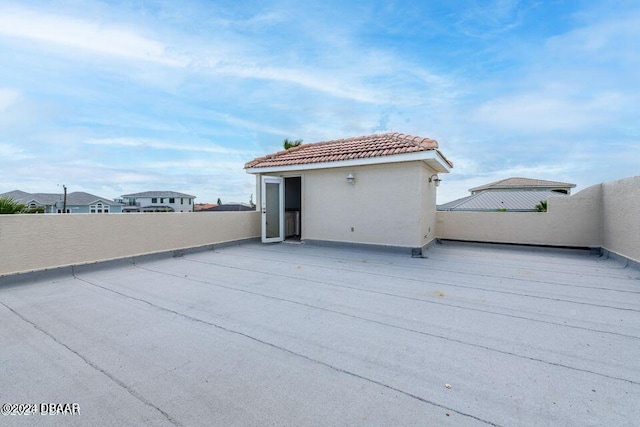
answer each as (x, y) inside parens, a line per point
(159, 194)
(473, 335)
(82, 198)
(524, 200)
(230, 207)
(16, 195)
(76, 198)
(523, 183)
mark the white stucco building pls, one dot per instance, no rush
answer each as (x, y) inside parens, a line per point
(378, 189)
(158, 201)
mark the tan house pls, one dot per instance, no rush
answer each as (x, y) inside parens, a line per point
(525, 184)
(378, 190)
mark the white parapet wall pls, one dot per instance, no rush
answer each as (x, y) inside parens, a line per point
(602, 216)
(38, 242)
(621, 217)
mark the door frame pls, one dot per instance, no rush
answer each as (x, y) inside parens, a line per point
(272, 180)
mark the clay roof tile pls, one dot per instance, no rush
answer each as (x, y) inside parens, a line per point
(376, 145)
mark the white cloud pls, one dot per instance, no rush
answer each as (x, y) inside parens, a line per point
(9, 151)
(162, 145)
(8, 97)
(248, 124)
(602, 41)
(334, 72)
(544, 112)
(90, 36)
(490, 18)
(201, 164)
(321, 81)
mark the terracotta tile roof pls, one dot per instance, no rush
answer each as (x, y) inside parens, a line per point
(518, 182)
(203, 206)
(361, 147)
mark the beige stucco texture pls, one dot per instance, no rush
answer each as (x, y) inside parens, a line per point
(603, 215)
(388, 204)
(391, 205)
(621, 217)
(36, 242)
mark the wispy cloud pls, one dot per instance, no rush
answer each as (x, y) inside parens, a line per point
(490, 18)
(162, 145)
(543, 112)
(87, 35)
(329, 74)
(10, 151)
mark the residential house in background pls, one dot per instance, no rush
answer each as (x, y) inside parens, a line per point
(158, 201)
(525, 184)
(511, 195)
(77, 202)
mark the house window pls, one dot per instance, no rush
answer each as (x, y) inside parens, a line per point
(182, 200)
(189, 201)
(172, 200)
(161, 199)
(154, 200)
(99, 208)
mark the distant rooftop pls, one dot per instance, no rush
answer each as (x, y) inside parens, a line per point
(361, 147)
(514, 201)
(159, 194)
(233, 206)
(74, 198)
(204, 206)
(523, 183)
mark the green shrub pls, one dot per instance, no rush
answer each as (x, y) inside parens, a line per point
(10, 206)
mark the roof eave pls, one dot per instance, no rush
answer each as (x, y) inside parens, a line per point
(433, 158)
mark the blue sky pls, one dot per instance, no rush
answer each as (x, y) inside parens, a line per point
(115, 97)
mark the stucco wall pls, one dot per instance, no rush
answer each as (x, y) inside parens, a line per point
(35, 242)
(385, 206)
(621, 217)
(389, 204)
(382, 207)
(428, 193)
(604, 215)
(569, 221)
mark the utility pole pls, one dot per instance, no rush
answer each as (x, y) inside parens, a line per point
(64, 202)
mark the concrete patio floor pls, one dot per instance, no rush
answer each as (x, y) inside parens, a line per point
(302, 334)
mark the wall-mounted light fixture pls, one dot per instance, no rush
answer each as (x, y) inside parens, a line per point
(434, 178)
(351, 179)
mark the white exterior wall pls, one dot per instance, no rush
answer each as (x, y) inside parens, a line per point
(36, 242)
(178, 207)
(389, 204)
(186, 207)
